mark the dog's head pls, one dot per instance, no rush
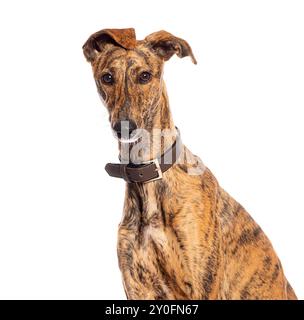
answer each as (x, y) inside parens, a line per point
(128, 74)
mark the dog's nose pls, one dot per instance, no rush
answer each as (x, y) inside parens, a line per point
(124, 128)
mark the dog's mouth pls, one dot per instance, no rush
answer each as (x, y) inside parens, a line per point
(129, 139)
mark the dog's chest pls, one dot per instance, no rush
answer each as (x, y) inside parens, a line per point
(148, 252)
(149, 262)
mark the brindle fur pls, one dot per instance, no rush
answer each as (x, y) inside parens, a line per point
(182, 237)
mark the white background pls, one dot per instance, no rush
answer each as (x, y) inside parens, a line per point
(240, 109)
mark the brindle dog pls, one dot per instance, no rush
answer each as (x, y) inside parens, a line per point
(181, 237)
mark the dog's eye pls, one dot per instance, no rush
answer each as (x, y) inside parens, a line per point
(107, 78)
(144, 77)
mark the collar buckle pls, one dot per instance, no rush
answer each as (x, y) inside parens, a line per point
(157, 169)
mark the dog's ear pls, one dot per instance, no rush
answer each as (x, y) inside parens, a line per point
(120, 37)
(165, 45)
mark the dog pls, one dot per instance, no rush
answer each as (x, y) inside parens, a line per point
(181, 236)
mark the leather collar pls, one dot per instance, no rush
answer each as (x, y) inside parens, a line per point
(148, 171)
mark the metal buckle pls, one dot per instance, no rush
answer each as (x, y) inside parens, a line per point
(158, 169)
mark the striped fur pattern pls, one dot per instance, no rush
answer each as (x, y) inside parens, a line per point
(182, 237)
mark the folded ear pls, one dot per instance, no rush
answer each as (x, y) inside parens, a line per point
(121, 37)
(165, 45)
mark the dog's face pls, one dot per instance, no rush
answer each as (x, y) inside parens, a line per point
(130, 84)
(128, 74)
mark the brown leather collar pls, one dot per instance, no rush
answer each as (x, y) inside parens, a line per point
(148, 171)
